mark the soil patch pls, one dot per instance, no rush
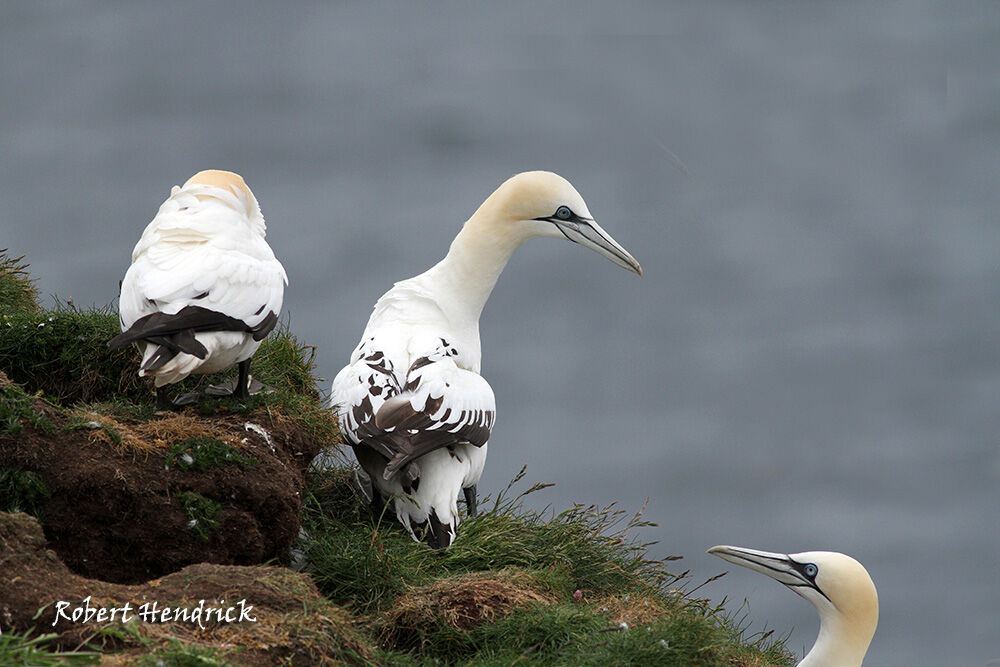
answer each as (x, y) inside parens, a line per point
(462, 603)
(293, 623)
(128, 502)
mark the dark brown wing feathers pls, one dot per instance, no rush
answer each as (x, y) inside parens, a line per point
(176, 332)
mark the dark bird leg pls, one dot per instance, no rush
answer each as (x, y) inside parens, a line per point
(470, 499)
(241, 387)
(364, 484)
(377, 504)
(243, 383)
(163, 401)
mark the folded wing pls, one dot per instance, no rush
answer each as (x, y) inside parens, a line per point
(359, 390)
(440, 405)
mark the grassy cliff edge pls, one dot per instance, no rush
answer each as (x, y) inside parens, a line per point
(573, 588)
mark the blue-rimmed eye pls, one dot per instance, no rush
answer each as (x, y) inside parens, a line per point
(810, 570)
(563, 213)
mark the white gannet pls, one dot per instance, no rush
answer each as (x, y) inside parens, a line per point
(837, 585)
(411, 402)
(204, 287)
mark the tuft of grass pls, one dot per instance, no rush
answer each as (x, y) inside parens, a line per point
(165, 650)
(20, 648)
(179, 654)
(202, 514)
(445, 611)
(565, 634)
(64, 354)
(288, 366)
(120, 409)
(17, 289)
(22, 491)
(17, 409)
(284, 363)
(201, 454)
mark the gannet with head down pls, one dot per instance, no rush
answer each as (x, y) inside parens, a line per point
(204, 287)
(411, 402)
(837, 585)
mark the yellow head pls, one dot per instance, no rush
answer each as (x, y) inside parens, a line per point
(232, 184)
(540, 204)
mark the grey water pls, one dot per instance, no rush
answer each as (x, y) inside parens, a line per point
(812, 359)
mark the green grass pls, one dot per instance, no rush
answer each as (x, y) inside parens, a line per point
(20, 648)
(562, 634)
(175, 653)
(63, 353)
(201, 454)
(364, 563)
(202, 514)
(179, 654)
(361, 561)
(288, 366)
(118, 408)
(22, 491)
(17, 409)
(17, 290)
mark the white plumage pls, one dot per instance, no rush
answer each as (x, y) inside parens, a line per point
(204, 287)
(411, 402)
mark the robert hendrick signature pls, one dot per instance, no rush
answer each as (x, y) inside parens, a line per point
(154, 612)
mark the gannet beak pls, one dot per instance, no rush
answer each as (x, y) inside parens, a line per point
(780, 567)
(589, 234)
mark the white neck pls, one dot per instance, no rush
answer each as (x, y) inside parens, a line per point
(464, 279)
(840, 643)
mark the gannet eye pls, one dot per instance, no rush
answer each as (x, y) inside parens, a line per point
(563, 213)
(810, 570)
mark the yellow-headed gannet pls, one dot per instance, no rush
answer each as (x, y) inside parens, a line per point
(411, 402)
(204, 287)
(837, 585)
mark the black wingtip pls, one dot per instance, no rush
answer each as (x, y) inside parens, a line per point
(159, 358)
(266, 326)
(438, 535)
(119, 341)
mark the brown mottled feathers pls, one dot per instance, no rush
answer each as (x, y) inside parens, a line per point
(422, 430)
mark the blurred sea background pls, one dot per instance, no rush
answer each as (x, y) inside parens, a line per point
(812, 360)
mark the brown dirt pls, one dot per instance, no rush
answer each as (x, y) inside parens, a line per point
(114, 512)
(462, 602)
(633, 609)
(294, 623)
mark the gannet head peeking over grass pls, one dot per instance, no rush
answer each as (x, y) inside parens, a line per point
(411, 402)
(837, 585)
(204, 287)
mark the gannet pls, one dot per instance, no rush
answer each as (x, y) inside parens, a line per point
(204, 287)
(411, 402)
(837, 585)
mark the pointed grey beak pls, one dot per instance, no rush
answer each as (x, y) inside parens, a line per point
(779, 567)
(590, 235)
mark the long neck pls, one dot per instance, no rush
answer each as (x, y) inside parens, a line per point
(840, 643)
(464, 279)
